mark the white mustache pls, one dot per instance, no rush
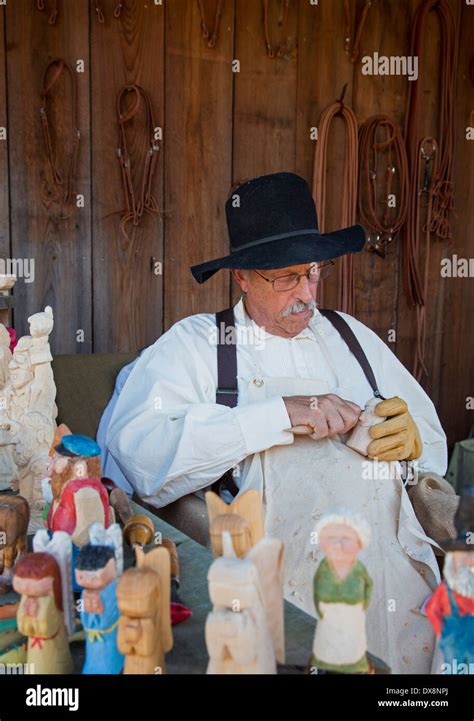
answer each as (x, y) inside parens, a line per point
(298, 307)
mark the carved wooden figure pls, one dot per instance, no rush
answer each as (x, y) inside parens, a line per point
(360, 438)
(45, 612)
(14, 517)
(245, 629)
(143, 595)
(342, 591)
(243, 519)
(97, 570)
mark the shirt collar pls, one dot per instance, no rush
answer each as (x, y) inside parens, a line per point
(242, 318)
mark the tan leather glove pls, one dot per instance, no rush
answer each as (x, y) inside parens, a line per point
(397, 438)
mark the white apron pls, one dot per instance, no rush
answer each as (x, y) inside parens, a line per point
(332, 644)
(307, 479)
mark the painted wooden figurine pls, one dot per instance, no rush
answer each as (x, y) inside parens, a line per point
(243, 519)
(245, 629)
(143, 595)
(79, 497)
(342, 591)
(14, 517)
(98, 567)
(44, 614)
(451, 607)
(53, 455)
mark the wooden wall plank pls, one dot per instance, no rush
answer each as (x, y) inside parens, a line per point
(457, 364)
(198, 156)
(61, 250)
(323, 71)
(377, 279)
(429, 76)
(265, 95)
(127, 293)
(4, 180)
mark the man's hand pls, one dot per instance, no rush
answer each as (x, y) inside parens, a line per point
(325, 415)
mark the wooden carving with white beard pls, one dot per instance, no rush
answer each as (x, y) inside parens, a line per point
(245, 629)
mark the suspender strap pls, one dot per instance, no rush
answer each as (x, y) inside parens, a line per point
(354, 346)
(227, 391)
(226, 359)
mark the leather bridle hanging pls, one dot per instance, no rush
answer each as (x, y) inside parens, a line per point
(348, 190)
(283, 32)
(382, 231)
(204, 27)
(54, 10)
(353, 52)
(64, 190)
(146, 202)
(438, 185)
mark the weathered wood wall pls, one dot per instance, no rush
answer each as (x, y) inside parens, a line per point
(219, 126)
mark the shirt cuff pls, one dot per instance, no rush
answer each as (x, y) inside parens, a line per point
(264, 424)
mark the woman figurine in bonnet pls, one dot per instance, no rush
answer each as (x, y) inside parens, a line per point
(342, 590)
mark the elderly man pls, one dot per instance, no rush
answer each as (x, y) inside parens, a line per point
(219, 400)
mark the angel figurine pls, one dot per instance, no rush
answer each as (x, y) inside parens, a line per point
(244, 631)
(243, 519)
(45, 614)
(342, 591)
(143, 595)
(98, 567)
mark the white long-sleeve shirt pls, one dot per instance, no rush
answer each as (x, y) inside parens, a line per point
(170, 438)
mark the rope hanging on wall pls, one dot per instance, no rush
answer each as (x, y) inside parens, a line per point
(382, 231)
(146, 202)
(54, 10)
(63, 190)
(204, 27)
(348, 190)
(353, 52)
(436, 194)
(283, 30)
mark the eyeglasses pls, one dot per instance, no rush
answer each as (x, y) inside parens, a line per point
(317, 272)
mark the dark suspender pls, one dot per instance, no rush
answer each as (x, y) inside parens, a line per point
(227, 389)
(355, 347)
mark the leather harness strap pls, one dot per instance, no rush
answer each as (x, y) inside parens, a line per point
(348, 191)
(227, 383)
(283, 31)
(54, 10)
(146, 202)
(64, 191)
(382, 230)
(354, 51)
(205, 29)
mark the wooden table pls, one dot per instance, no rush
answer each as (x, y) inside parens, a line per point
(189, 653)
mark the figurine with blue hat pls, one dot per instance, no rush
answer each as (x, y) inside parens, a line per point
(79, 496)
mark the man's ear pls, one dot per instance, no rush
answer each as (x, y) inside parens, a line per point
(241, 277)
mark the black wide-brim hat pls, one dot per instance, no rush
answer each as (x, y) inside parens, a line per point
(273, 223)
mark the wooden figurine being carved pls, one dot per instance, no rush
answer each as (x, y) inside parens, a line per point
(143, 595)
(243, 519)
(451, 607)
(342, 591)
(28, 422)
(360, 438)
(98, 567)
(245, 629)
(45, 612)
(14, 517)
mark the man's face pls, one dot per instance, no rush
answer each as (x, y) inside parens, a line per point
(285, 313)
